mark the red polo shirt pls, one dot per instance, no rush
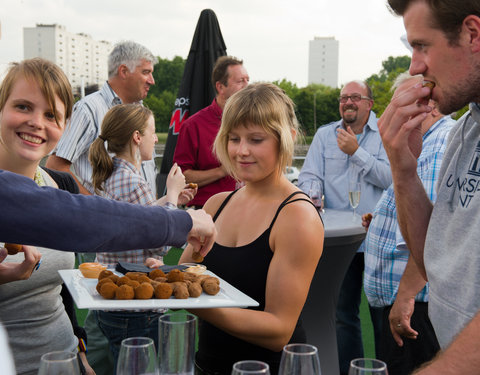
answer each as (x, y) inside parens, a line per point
(194, 150)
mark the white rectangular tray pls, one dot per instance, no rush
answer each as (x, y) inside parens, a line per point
(86, 296)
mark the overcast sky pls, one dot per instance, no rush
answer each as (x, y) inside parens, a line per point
(271, 36)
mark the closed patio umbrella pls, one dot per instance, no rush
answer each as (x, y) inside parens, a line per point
(196, 89)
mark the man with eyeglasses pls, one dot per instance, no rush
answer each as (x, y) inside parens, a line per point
(349, 146)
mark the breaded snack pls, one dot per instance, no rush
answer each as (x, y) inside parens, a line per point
(161, 279)
(194, 289)
(153, 274)
(197, 257)
(430, 85)
(190, 276)
(134, 283)
(192, 185)
(108, 290)
(13, 248)
(211, 285)
(91, 270)
(124, 292)
(114, 278)
(144, 291)
(175, 275)
(180, 290)
(144, 279)
(124, 280)
(103, 281)
(134, 275)
(104, 273)
(163, 291)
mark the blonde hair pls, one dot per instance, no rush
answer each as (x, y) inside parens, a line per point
(51, 80)
(118, 127)
(267, 106)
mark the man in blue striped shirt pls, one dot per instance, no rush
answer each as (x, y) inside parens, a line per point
(386, 259)
(130, 69)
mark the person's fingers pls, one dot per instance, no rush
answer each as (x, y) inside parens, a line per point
(3, 254)
(396, 336)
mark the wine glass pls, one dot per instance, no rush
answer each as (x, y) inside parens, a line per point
(299, 359)
(367, 366)
(315, 194)
(250, 368)
(59, 363)
(354, 189)
(176, 343)
(137, 356)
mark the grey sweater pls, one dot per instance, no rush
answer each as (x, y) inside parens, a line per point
(452, 248)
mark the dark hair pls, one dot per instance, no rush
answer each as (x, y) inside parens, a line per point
(447, 15)
(220, 69)
(118, 126)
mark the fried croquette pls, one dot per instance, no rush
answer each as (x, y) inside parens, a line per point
(175, 275)
(180, 290)
(190, 276)
(134, 283)
(192, 185)
(103, 281)
(124, 280)
(108, 290)
(161, 279)
(163, 291)
(104, 273)
(114, 278)
(144, 291)
(197, 257)
(144, 279)
(430, 85)
(153, 274)
(134, 275)
(194, 290)
(211, 285)
(13, 248)
(124, 292)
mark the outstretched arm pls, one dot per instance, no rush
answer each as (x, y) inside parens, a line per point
(75, 222)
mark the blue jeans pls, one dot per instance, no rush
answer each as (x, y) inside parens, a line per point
(119, 325)
(349, 330)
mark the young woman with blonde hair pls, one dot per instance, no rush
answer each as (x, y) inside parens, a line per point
(270, 236)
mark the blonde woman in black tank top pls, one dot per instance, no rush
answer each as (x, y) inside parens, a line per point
(270, 237)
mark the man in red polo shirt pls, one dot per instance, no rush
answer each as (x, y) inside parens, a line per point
(193, 152)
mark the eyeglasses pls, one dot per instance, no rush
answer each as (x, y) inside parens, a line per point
(353, 98)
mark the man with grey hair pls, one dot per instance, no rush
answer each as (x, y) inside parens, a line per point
(130, 68)
(350, 146)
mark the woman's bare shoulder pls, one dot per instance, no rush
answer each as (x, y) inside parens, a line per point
(214, 202)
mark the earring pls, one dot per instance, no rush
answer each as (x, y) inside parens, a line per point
(138, 156)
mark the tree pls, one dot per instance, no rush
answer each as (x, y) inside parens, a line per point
(161, 98)
(168, 75)
(381, 83)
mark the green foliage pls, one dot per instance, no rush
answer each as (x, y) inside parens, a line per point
(381, 83)
(168, 75)
(161, 98)
(162, 106)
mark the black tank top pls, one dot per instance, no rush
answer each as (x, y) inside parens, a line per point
(246, 268)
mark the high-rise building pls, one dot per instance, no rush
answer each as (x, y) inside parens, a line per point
(323, 61)
(83, 59)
